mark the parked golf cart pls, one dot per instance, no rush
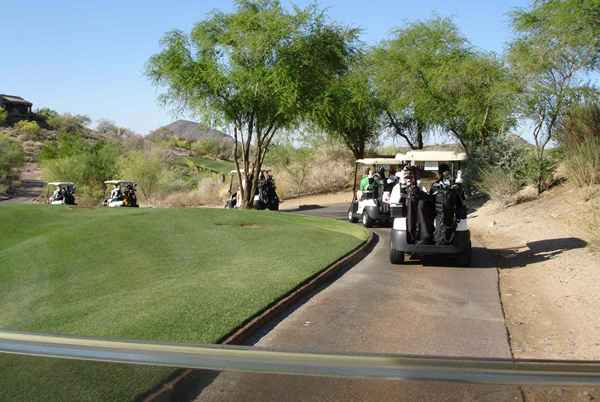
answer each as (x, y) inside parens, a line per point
(266, 195)
(63, 194)
(122, 194)
(430, 222)
(371, 203)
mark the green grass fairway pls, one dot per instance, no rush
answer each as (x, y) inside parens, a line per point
(216, 166)
(176, 275)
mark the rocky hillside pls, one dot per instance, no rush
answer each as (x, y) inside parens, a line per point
(188, 130)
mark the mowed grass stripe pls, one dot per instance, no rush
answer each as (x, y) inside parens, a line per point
(176, 275)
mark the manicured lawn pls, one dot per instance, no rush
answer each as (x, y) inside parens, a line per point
(176, 275)
(216, 166)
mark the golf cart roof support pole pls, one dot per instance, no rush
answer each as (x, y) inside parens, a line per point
(354, 182)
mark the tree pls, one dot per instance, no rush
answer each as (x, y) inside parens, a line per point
(145, 168)
(350, 110)
(557, 42)
(11, 160)
(257, 69)
(429, 76)
(404, 70)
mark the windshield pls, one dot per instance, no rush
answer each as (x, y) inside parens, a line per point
(267, 200)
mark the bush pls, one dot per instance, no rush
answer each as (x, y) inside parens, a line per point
(500, 185)
(211, 191)
(145, 168)
(213, 148)
(583, 162)
(11, 160)
(3, 116)
(579, 136)
(86, 164)
(27, 130)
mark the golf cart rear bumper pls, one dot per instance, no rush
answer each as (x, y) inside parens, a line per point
(376, 215)
(399, 242)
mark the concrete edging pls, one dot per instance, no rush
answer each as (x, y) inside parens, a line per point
(182, 384)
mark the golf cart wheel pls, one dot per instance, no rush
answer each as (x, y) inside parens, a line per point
(351, 217)
(396, 257)
(464, 259)
(366, 220)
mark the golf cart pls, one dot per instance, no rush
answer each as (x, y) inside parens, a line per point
(63, 194)
(430, 222)
(371, 202)
(123, 194)
(266, 196)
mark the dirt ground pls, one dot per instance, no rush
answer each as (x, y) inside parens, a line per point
(549, 274)
(319, 199)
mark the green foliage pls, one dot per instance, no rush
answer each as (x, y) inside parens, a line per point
(11, 160)
(430, 77)
(146, 169)
(557, 42)
(350, 109)
(3, 115)
(28, 130)
(499, 184)
(86, 164)
(258, 69)
(213, 147)
(67, 123)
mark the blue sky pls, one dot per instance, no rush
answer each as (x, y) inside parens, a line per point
(88, 57)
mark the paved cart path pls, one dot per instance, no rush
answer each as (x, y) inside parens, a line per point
(381, 308)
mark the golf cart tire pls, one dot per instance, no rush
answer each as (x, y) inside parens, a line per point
(366, 220)
(396, 257)
(464, 259)
(351, 217)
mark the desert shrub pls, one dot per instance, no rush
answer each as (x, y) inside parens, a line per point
(27, 130)
(583, 162)
(579, 136)
(3, 116)
(145, 168)
(211, 191)
(86, 164)
(213, 147)
(540, 171)
(311, 170)
(11, 161)
(499, 185)
(501, 155)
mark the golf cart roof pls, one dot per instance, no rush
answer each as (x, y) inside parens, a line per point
(61, 183)
(119, 182)
(265, 169)
(379, 161)
(432, 156)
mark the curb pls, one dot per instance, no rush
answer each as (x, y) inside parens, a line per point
(184, 384)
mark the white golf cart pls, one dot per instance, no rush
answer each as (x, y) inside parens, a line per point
(266, 195)
(371, 202)
(63, 194)
(122, 194)
(430, 222)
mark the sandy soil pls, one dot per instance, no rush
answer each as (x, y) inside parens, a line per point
(549, 276)
(29, 188)
(319, 199)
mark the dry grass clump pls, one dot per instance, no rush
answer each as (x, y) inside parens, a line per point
(501, 187)
(211, 191)
(324, 172)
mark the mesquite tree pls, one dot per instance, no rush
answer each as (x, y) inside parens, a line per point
(256, 70)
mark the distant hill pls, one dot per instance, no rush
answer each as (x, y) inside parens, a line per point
(188, 130)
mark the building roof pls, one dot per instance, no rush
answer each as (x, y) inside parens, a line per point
(15, 99)
(379, 161)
